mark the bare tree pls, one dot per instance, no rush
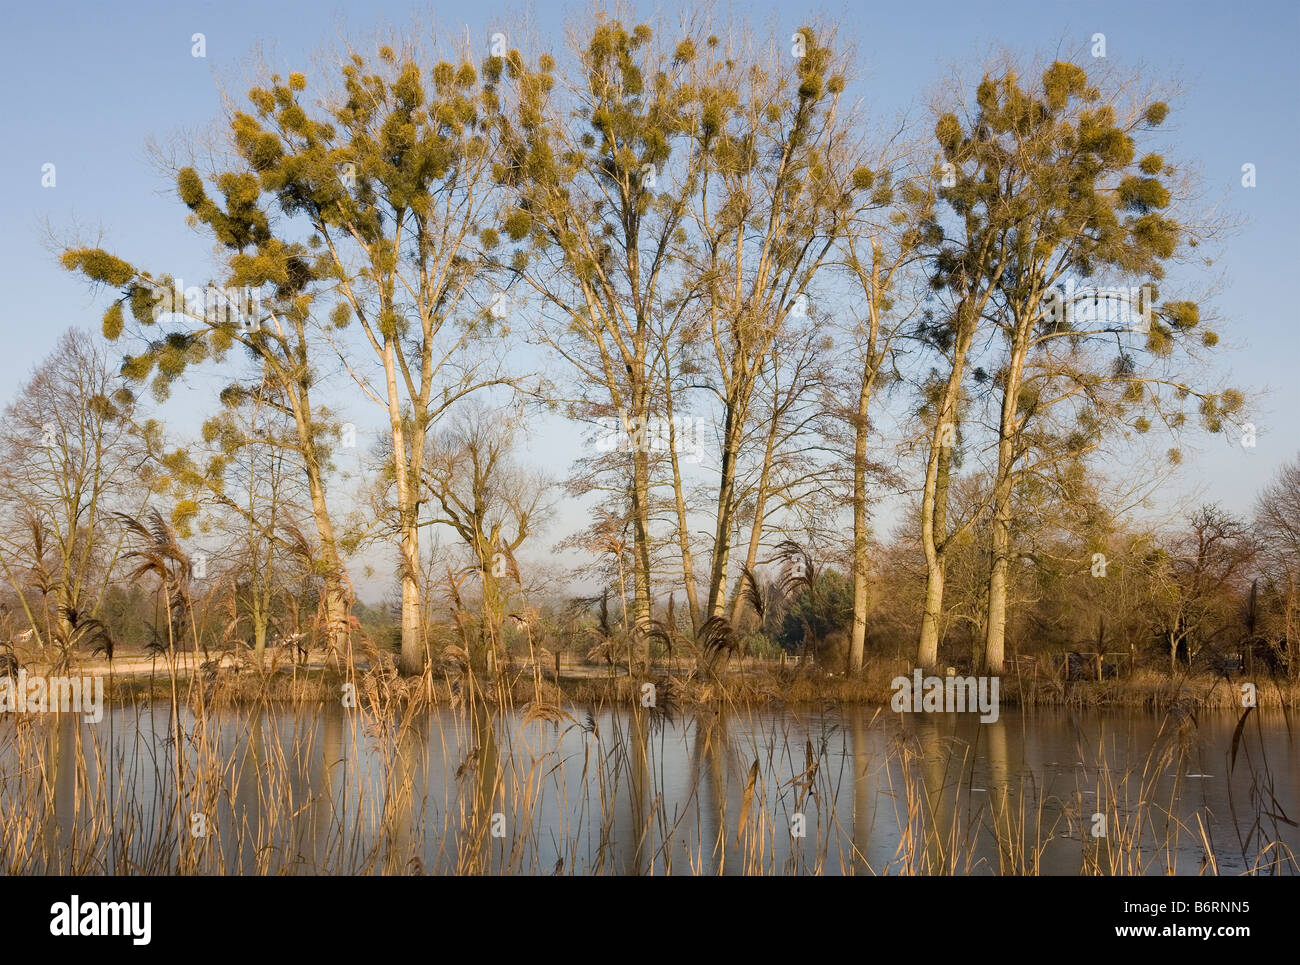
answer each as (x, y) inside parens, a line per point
(1277, 533)
(69, 459)
(492, 503)
(588, 158)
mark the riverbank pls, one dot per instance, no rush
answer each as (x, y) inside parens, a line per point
(290, 677)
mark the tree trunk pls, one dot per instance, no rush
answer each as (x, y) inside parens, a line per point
(683, 526)
(338, 595)
(412, 658)
(338, 599)
(870, 369)
(760, 509)
(493, 606)
(259, 634)
(641, 530)
(857, 644)
(726, 501)
(995, 623)
(934, 516)
(934, 497)
(405, 456)
(996, 620)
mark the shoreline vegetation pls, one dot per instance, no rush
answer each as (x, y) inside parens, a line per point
(502, 774)
(289, 677)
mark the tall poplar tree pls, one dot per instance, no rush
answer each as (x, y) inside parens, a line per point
(1086, 208)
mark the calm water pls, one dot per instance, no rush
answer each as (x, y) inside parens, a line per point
(322, 790)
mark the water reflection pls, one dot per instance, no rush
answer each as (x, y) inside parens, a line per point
(328, 791)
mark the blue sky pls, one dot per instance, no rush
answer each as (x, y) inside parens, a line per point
(87, 85)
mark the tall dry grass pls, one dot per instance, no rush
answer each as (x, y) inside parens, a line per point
(457, 772)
